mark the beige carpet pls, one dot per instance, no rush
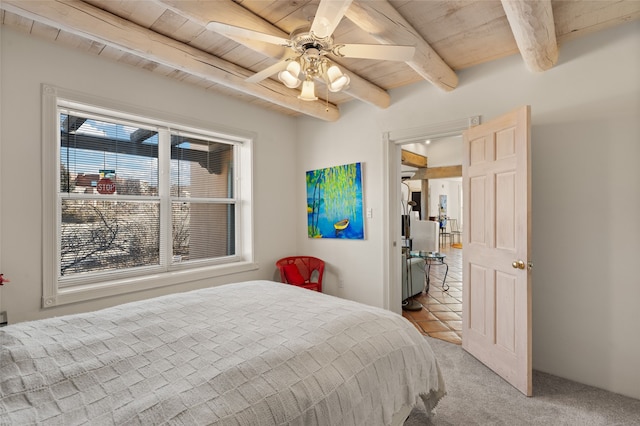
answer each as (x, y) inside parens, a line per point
(477, 396)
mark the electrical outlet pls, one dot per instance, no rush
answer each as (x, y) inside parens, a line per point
(340, 283)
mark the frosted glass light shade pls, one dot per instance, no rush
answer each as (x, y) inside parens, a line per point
(336, 80)
(289, 76)
(308, 91)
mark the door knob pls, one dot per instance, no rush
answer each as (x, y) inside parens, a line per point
(518, 264)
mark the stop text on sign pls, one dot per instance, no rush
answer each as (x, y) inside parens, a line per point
(106, 186)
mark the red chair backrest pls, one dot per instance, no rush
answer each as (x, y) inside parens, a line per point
(306, 265)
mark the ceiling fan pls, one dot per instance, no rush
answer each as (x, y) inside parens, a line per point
(310, 45)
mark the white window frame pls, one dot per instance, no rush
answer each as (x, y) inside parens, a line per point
(78, 290)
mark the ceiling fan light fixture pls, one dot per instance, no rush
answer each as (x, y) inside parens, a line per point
(289, 76)
(336, 80)
(311, 46)
(308, 92)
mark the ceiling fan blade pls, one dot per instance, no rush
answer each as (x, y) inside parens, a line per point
(328, 16)
(232, 31)
(384, 52)
(268, 72)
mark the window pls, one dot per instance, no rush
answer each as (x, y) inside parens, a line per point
(140, 201)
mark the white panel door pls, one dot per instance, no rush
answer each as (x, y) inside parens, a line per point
(496, 319)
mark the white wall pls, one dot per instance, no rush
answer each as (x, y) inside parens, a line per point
(586, 195)
(27, 62)
(450, 188)
(356, 263)
(446, 151)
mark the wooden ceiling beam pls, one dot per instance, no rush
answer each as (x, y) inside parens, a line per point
(87, 21)
(438, 172)
(411, 159)
(533, 27)
(381, 20)
(230, 12)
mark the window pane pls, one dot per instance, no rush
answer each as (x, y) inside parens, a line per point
(202, 230)
(200, 168)
(91, 150)
(98, 236)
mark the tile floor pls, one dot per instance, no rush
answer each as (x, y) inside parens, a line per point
(441, 315)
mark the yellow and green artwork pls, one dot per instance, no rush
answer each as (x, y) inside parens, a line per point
(334, 202)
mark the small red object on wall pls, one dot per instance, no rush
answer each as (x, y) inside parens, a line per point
(3, 280)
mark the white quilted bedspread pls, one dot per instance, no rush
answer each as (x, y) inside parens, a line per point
(252, 353)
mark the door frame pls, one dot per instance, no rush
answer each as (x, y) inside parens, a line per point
(392, 142)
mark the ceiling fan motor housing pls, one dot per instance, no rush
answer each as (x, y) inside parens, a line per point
(302, 40)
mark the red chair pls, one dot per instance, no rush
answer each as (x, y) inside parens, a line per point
(299, 271)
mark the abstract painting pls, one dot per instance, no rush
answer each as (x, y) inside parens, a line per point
(334, 202)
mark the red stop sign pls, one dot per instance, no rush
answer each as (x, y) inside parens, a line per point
(106, 186)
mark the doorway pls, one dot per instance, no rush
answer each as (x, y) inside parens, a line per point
(394, 141)
(496, 327)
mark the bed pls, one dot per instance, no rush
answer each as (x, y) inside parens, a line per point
(250, 353)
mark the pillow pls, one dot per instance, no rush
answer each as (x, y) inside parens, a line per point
(292, 274)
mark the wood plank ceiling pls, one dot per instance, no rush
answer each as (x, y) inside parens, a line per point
(170, 37)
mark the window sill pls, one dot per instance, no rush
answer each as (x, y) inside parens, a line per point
(81, 293)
